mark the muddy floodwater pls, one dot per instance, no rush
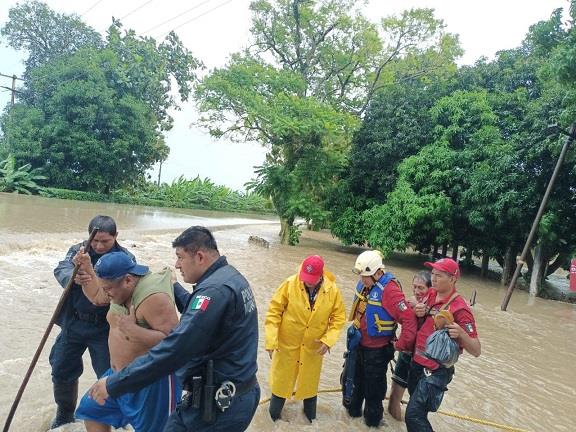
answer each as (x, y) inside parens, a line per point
(525, 377)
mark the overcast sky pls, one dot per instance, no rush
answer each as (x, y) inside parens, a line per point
(213, 29)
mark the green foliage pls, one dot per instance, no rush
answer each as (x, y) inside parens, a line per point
(45, 34)
(313, 68)
(407, 218)
(294, 235)
(83, 132)
(181, 193)
(206, 194)
(397, 125)
(344, 58)
(147, 70)
(19, 180)
(427, 204)
(92, 112)
(472, 169)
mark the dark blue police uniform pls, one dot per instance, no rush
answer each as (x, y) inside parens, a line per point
(219, 325)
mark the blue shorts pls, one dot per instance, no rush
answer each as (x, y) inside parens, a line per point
(146, 410)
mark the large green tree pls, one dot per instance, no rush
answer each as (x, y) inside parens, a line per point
(480, 176)
(92, 114)
(397, 125)
(427, 205)
(324, 62)
(45, 34)
(83, 132)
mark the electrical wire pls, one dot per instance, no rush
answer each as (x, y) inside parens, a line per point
(135, 10)
(91, 7)
(196, 17)
(177, 16)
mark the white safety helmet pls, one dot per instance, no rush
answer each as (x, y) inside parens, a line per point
(368, 263)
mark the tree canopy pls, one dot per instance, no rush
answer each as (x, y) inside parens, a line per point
(92, 112)
(45, 34)
(464, 160)
(302, 86)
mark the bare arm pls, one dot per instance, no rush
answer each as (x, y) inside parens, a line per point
(86, 277)
(158, 311)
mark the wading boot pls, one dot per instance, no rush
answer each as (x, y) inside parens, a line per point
(65, 395)
(310, 408)
(276, 405)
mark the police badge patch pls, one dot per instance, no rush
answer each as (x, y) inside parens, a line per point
(402, 306)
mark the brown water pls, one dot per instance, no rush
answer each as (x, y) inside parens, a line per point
(524, 377)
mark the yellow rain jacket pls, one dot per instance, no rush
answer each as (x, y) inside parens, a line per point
(292, 329)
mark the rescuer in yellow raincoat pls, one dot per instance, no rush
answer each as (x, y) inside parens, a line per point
(304, 320)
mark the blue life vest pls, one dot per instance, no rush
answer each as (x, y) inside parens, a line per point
(379, 323)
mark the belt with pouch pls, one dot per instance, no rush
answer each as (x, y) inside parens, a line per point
(210, 399)
(240, 389)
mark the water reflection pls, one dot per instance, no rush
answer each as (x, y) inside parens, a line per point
(24, 214)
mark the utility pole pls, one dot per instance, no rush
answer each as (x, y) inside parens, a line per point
(159, 173)
(12, 100)
(13, 88)
(520, 262)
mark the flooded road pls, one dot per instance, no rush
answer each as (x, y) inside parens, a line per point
(524, 377)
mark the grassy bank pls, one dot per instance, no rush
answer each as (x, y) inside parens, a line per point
(181, 193)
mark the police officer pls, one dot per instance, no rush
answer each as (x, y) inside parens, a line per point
(213, 348)
(83, 324)
(378, 306)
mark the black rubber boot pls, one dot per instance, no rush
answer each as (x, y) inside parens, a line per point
(65, 395)
(310, 408)
(372, 417)
(276, 405)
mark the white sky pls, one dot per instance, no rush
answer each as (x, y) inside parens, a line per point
(213, 29)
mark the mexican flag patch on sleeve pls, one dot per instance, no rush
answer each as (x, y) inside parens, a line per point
(200, 303)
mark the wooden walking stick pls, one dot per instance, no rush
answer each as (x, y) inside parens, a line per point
(63, 298)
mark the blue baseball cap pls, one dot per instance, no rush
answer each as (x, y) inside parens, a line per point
(114, 265)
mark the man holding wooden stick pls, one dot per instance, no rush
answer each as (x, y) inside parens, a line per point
(83, 324)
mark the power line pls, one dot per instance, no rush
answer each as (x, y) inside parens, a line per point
(135, 10)
(197, 16)
(13, 88)
(91, 7)
(177, 16)
(12, 76)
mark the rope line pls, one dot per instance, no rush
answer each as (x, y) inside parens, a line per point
(445, 413)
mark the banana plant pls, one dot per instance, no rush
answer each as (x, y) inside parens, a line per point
(19, 180)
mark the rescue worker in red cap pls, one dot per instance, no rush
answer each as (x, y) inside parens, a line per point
(428, 380)
(304, 320)
(378, 307)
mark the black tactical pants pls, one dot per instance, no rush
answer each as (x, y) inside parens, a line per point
(370, 383)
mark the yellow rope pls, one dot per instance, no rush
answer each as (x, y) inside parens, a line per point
(449, 414)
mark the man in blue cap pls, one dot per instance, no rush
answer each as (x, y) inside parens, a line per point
(142, 313)
(214, 347)
(82, 322)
